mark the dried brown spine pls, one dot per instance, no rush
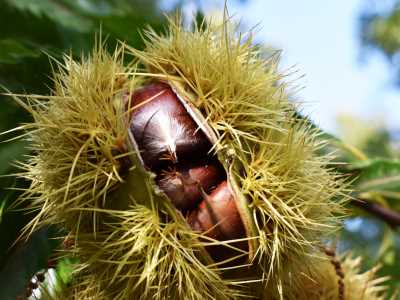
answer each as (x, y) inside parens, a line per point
(331, 253)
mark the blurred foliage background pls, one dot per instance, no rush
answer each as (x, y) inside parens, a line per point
(380, 30)
(31, 31)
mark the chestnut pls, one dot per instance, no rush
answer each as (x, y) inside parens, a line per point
(162, 128)
(185, 187)
(218, 218)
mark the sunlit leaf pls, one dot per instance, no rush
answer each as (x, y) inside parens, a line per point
(378, 174)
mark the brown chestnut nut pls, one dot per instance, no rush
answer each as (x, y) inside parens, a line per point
(217, 216)
(162, 128)
(185, 186)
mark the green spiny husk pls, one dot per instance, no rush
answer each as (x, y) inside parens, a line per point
(131, 242)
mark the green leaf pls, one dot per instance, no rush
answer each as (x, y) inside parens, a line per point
(61, 12)
(12, 51)
(2, 205)
(380, 174)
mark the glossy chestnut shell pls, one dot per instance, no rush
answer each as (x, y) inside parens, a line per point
(162, 128)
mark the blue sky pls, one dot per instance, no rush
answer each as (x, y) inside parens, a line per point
(320, 39)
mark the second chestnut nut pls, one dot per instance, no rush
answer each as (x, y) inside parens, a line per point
(217, 215)
(185, 187)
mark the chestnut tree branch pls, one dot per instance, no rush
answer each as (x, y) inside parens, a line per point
(389, 216)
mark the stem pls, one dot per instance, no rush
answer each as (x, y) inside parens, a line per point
(387, 215)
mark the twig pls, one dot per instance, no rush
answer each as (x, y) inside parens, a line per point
(391, 217)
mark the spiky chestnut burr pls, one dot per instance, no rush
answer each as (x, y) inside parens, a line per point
(88, 177)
